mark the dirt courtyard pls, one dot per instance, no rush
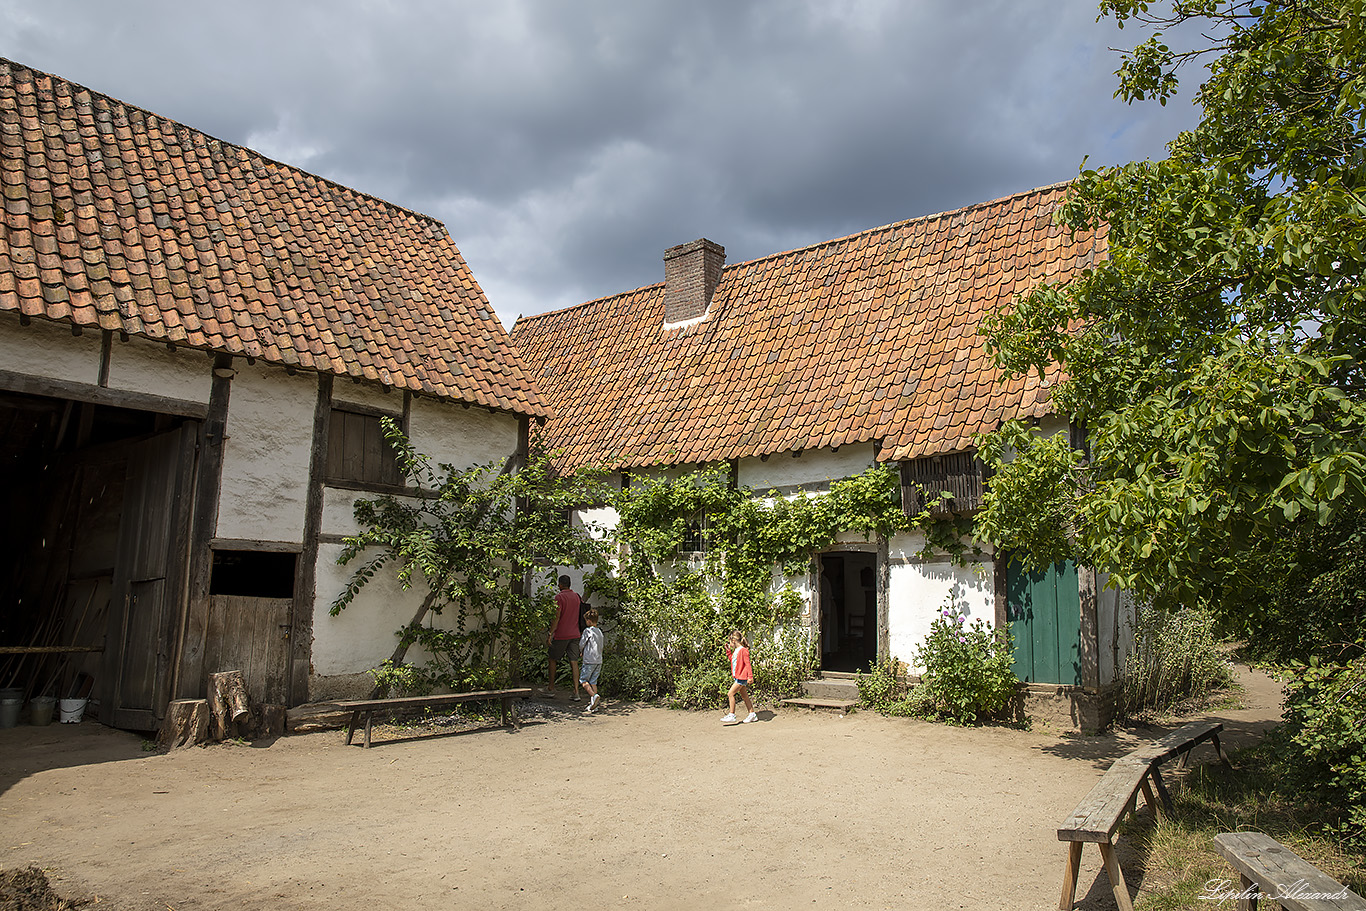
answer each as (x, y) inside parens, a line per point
(634, 807)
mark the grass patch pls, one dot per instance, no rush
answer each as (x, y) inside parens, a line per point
(1180, 852)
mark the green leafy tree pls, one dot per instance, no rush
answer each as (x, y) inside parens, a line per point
(1214, 357)
(485, 543)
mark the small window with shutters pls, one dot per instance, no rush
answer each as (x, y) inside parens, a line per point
(925, 480)
(358, 452)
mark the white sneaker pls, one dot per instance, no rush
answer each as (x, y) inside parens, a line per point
(748, 718)
(593, 703)
(729, 719)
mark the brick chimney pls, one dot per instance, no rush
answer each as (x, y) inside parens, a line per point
(691, 273)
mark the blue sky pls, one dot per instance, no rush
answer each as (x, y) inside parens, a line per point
(566, 144)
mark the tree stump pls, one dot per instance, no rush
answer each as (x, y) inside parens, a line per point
(267, 720)
(186, 724)
(228, 699)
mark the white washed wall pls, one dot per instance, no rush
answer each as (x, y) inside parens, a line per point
(363, 634)
(266, 454)
(348, 391)
(918, 591)
(138, 365)
(464, 437)
(49, 350)
(812, 466)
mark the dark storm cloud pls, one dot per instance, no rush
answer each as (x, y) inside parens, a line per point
(565, 145)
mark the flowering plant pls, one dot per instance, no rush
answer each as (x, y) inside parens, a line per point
(968, 675)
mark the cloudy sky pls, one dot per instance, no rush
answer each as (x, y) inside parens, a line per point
(566, 143)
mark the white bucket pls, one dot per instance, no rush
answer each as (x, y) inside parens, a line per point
(72, 710)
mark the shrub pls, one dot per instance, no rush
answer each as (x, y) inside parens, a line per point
(882, 686)
(402, 679)
(783, 660)
(968, 674)
(701, 686)
(1175, 659)
(628, 676)
(1324, 741)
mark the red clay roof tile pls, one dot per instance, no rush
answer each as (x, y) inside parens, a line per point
(866, 337)
(213, 245)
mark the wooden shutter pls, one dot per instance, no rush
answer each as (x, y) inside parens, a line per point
(958, 473)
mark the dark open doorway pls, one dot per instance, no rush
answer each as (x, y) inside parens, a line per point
(77, 617)
(848, 611)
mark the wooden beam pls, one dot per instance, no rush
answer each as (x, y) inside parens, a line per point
(306, 575)
(1090, 628)
(284, 547)
(190, 679)
(884, 608)
(96, 395)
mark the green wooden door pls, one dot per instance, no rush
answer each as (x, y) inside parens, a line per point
(1044, 611)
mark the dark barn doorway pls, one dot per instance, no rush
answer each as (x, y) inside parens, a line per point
(848, 611)
(93, 551)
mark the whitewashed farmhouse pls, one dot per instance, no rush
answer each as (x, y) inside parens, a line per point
(811, 365)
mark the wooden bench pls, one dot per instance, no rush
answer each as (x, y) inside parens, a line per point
(368, 707)
(1180, 742)
(1272, 871)
(1098, 815)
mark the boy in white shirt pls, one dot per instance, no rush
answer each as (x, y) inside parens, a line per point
(590, 648)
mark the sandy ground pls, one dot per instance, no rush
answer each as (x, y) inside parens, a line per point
(634, 807)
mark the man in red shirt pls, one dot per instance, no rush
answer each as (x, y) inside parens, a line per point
(564, 637)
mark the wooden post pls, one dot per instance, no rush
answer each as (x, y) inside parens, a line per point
(194, 619)
(1090, 629)
(306, 575)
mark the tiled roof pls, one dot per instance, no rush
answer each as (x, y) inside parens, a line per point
(119, 219)
(871, 337)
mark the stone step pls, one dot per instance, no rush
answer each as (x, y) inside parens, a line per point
(822, 705)
(831, 687)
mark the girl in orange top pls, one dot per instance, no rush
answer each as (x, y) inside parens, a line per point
(737, 649)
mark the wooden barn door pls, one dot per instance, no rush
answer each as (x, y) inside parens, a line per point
(1044, 611)
(150, 573)
(251, 635)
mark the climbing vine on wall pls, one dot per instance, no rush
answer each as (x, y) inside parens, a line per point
(700, 556)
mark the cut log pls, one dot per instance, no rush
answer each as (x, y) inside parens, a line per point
(266, 721)
(186, 724)
(228, 699)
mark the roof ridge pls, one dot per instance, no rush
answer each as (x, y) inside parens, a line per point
(5, 61)
(899, 224)
(815, 246)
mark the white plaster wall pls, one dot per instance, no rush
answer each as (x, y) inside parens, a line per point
(347, 391)
(463, 437)
(266, 454)
(813, 465)
(917, 592)
(339, 510)
(139, 365)
(1052, 424)
(48, 349)
(362, 635)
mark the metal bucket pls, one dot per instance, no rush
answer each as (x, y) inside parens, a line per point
(40, 709)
